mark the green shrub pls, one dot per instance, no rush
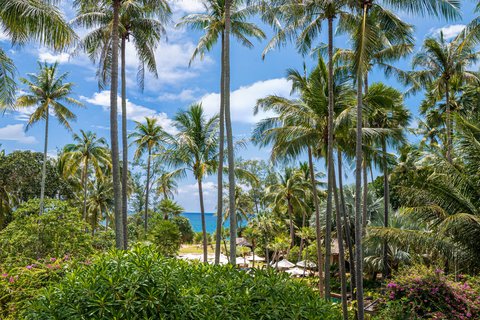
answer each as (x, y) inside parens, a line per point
(198, 238)
(185, 228)
(58, 232)
(166, 236)
(293, 254)
(141, 284)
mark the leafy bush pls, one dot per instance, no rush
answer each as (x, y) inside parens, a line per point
(166, 236)
(185, 228)
(141, 284)
(58, 232)
(422, 293)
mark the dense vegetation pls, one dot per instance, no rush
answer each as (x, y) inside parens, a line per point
(74, 229)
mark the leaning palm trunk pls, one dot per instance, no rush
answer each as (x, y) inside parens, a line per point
(292, 231)
(147, 191)
(317, 222)
(346, 223)
(114, 130)
(365, 197)
(341, 250)
(386, 204)
(44, 165)
(204, 227)
(84, 180)
(228, 127)
(449, 122)
(302, 240)
(218, 236)
(124, 146)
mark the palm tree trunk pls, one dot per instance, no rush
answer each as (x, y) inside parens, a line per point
(84, 178)
(114, 130)
(218, 236)
(346, 224)
(365, 198)
(228, 127)
(124, 146)
(204, 227)
(317, 222)
(290, 218)
(449, 122)
(147, 191)
(386, 204)
(330, 173)
(341, 250)
(44, 164)
(302, 240)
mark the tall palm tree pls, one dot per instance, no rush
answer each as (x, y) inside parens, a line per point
(48, 92)
(441, 64)
(364, 44)
(166, 185)
(100, 202)
(222, 18)
(87, 150)
(195, 149)
(140, 21)
(243, 205)
(23, 21)
(149, 137)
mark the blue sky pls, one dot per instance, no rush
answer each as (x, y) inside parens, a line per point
(179, 85)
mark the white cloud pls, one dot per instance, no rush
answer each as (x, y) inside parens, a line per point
(16, 132)
(244, 99)
(134, 112)
(49, 57)
(187, 6)
(4, 36)
(450, 31)
(184, 95)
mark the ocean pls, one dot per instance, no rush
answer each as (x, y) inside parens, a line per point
(210, 221)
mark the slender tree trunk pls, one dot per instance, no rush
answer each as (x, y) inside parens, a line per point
(84, 178)
(228, 127)
(290, 217)
(386, 204)
(267, 258)
(114, 129)
(341, 250)
(204, 226)
(44, 165)
(330, 173)
(302, 240)
(147, 191)
(346, 223)
(124, 146)
(218, 236)
(449, 122)
(317, 222)
(365, 197)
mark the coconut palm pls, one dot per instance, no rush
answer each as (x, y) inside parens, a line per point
(140, 21)
(195, 148)
(48, 92)
(442, 64)
(22, 21)
(166, 185)
(243, 204)
(169, 208)
(99, 202)
(87, 150)
(222, 18)
(149, 137)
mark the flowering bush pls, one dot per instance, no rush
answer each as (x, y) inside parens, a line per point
(423, 293)
(21, 284)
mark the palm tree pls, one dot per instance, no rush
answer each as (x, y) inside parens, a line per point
(222, 18)
(100, 201)
(149, 137)
(40, 21)
(442, 64)
(169, 208)
(195, 149)
(87, 150)
(48, 92)
(243, 205)
(166, 185)
(143, 23)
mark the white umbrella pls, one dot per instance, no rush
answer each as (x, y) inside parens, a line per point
(295, 271)
(284, 264)
(241, 260)
(257, 258)
(306, 264)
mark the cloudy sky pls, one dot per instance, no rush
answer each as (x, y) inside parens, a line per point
(179, 85)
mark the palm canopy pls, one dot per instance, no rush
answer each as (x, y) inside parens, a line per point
(148, 136)
(301, 123)
(212, 22)
(48, 92)
(22, 21)
(142, 22)
(195, 146)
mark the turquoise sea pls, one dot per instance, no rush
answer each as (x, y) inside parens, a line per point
(210, 220)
